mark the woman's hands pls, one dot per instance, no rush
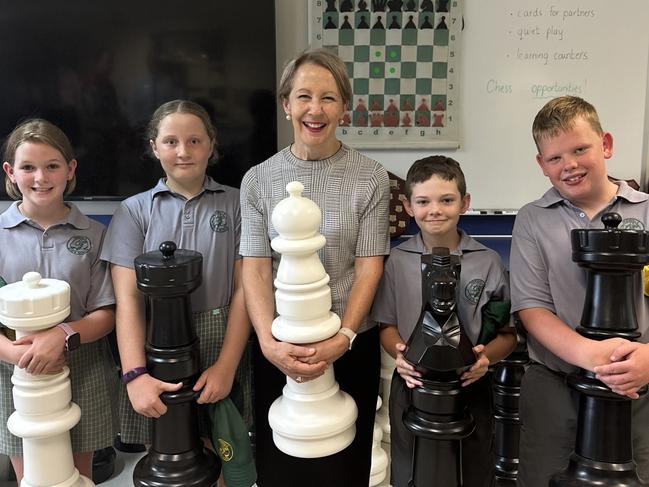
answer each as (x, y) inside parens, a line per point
(292, 359)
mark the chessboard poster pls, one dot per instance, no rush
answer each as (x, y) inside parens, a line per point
(402, 57)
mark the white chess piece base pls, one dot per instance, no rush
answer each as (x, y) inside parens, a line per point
(313, 419)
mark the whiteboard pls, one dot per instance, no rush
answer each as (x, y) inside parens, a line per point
(515, 56)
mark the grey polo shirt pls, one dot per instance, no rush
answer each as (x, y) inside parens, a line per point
(353, 194)
(543, 274)
(68, 250)
(208, 223)
(398, 301)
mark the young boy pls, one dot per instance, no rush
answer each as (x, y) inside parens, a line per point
(436, 197)
(548, 289)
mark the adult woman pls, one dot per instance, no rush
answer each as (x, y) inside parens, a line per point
(352, 192)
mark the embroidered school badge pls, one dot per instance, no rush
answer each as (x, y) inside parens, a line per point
(631, 224)
(225, 450)
(473, 290)
(79, 245)
(219, 221)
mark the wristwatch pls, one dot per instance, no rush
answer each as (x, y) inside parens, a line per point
(349, 333)
(72, 338)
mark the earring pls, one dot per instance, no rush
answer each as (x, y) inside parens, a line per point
(288, 117)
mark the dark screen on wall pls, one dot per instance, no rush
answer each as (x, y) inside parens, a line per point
(99, 68)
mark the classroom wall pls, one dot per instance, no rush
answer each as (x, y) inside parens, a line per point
(525, 182)
(496, 149)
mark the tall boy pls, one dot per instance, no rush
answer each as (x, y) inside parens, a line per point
(548, 289)
(436, 197)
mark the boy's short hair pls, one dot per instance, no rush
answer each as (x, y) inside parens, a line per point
(559, 115)
(442, 166)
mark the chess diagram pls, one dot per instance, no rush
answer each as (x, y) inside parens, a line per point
(402, 57)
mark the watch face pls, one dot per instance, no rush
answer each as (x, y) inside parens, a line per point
(73, 341)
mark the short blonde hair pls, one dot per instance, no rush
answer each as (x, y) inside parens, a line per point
(37, 131)
(559, 115)
(324, 58)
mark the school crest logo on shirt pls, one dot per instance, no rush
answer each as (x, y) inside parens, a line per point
(225, 450)
(219, 221)
(631, 224)
(473, 290)
(79, 245)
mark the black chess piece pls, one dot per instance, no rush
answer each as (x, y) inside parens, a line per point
(410, 24)
(411, 6)
(427, 6)
(378, 24)
(426, 23)
(362, 23)
(395, 23)
(346, 24)
(440, 350)
(508, 375)
(330, 23)
(362, 6)
(379, 5)
(346, 6)
(613, 259)
(331, 6)
(177, 457)
(442, 23)
(442, 5)
(395, 5)
(103, 464)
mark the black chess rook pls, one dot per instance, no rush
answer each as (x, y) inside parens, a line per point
(613, 259)
(177, 457)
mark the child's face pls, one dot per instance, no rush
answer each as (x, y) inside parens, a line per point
(41, 173)
(436, 206)
(574, 161)
(183, 148)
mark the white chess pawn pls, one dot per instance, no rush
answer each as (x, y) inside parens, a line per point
(315, 418)
(44, 412)
(379, 468)
(382, 415)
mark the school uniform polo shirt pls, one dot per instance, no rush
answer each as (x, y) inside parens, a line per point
(398, 300)
(208, 223)
(68, 250)
(543, 274)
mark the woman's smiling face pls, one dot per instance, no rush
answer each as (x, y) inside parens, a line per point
(315, 106)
